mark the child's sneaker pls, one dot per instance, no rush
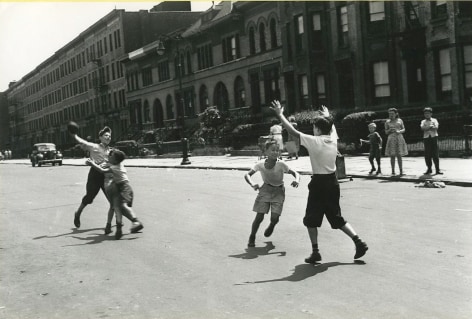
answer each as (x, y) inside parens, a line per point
(372, 170)
(314, 258)
(252, 241)
(378, 172)
(107, 229)
(269, 230)
(119, 231)
(361, 249)
(137, 226)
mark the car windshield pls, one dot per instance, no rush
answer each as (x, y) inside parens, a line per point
(43, 148)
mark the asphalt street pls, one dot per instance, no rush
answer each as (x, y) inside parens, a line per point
(191, 259)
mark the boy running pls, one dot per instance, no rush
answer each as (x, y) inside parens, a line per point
(120, 192)
(272, 193)
(324, 191)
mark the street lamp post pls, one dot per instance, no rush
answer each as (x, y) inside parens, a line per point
(181, 107)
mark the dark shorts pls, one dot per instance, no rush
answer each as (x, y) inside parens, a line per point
(323, 199)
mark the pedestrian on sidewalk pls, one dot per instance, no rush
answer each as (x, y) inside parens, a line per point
(95, 179)
(430, 128)
(396, 146)
(293, 143)
(276, 134)
(375, 142)
(272, 193)
(119, 192)
(324, 191)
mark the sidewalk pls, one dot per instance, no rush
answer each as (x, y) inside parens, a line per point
(457, 171)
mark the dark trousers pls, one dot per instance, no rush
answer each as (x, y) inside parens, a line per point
(95, 182)
(431, 152)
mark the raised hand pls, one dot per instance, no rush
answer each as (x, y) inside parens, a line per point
(277, 107)
(324, 110)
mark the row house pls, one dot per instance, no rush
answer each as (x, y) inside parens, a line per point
(371, 55)
(85, 81)
(231, 57)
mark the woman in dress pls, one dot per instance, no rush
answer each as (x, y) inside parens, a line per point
(396, 146)
(276, 134)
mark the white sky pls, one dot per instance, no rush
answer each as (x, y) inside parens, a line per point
(31, 32)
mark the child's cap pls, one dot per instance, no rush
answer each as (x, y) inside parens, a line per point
(372, 125)
(427, 109)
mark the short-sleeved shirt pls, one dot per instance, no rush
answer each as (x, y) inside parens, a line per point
(429, 131)
(273, 176)
(98, 152)
(322, 150)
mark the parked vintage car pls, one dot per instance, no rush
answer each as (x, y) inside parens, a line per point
(45, 153)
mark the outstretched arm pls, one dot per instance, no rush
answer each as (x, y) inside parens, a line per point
(279, 112)
(295, 174)
(99, 168)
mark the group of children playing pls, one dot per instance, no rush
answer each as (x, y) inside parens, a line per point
(323, 197)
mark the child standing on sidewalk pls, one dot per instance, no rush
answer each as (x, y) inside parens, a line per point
(375, 142)
(272, 193)
(324, 191)
(120, 192)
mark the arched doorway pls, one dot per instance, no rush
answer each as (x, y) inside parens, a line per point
(158, 113)
(221, 97)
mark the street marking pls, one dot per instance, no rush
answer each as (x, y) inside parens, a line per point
(463, 210)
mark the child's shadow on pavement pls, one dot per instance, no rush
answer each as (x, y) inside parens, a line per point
(254, 252)
(304, 271)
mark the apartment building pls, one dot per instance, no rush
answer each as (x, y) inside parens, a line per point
(231, 57)
(85, 81)
(138, 72)
(371, 55)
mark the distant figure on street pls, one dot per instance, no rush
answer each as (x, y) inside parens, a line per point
(375, 142)
(276, 134)
(293, 139)
(430, 128)
(396, 146)
(272, 193)
(324, 191)
(119, 192)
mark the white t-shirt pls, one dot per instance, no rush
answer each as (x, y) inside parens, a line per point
(273, 176)
(323, 150)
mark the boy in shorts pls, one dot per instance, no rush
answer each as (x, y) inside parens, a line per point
(119, 191)
(324, 191)
(272, 193)
(375, 142)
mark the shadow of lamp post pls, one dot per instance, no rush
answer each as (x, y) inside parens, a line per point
(181, 103)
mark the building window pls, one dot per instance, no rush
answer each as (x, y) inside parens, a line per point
(262, 38)
(204, 102)
(189, 62)
(221, 97)
(230, 46)
(147, 76)
(317, 34)
(439, 9)
(465, 9)
(205, 57)
(303, 84)
(444, 68)
(252, 41)
(163, 71)
(170, 108)
(320, 87)
(239, 92)
(271, 85)
(343, 26)
(273, 33)
(381, 79)
(468, 66)
(376, 11)
(300, 31)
